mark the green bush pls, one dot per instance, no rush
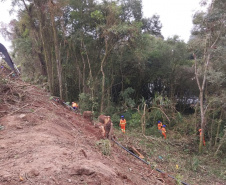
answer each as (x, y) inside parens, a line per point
(153, 131)
(154, 116)
(104, 146)
(111, 109)
(135, 120)
(115, 118)
(87, 103)
(126, 97)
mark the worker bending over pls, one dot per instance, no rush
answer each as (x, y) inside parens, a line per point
(164, 131)
(123, 124)
(74, 106)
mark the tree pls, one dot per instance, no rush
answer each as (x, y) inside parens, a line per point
(208, 33)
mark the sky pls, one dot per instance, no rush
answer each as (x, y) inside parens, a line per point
(5, 18)
(175, 16)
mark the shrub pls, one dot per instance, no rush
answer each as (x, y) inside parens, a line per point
(104, 146)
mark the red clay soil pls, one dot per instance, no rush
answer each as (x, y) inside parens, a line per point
(43, 142)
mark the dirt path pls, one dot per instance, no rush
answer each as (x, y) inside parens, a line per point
(45, 143)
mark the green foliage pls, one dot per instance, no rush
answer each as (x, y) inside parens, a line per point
(153, 131)
(154, 116)
(111, 109)
(115, 118)
(39, 79)
(126, 97)
(194, 163)
(97, 14)
(179, 178)
(135, 120)
(104, 146)
(87, 103)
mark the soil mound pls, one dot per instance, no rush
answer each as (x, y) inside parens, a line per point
(43, 142)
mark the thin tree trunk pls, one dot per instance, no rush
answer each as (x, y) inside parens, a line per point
(222, 141)
(202, 121)
(57, 52)
(103, 83)
(196, 107)
(143, 120)
(218, 129)
(201, 96)
(46, 55)
(211, 131)
(79, 75)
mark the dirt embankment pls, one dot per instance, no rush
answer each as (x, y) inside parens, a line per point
(43, 142)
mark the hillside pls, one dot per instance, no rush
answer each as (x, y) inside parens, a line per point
(43, 142)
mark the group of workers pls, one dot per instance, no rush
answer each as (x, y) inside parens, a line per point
(122, 120)
(162, 130)
(122, 124)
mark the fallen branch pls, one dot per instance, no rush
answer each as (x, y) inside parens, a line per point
(18, 109)
(54, 104)
(156, 139)
(137, 152)
(37, 110)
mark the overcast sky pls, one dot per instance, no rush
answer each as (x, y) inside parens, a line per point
(175, 16)
(5, 18)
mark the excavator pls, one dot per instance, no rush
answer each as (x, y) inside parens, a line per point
(5, 55)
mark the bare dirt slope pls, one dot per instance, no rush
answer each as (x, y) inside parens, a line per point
(45, 143)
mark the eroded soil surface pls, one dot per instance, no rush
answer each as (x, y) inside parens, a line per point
(43, 142)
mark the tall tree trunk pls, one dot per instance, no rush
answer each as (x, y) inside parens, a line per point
(83, 74)
(91, 81)
(57, 50)
(46, 53)
(195, 116)
(201, 87)
(36, 38)
(42, 63)
(103, 83)
(202, 120)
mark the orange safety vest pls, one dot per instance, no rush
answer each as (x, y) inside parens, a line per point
(123, 125)
(74, 105)
(160, 125)
(122, 122)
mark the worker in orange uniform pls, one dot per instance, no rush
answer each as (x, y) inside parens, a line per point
(164, 131)
(74, 106)
(200, 133)
(160, 126)
(123, 124)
